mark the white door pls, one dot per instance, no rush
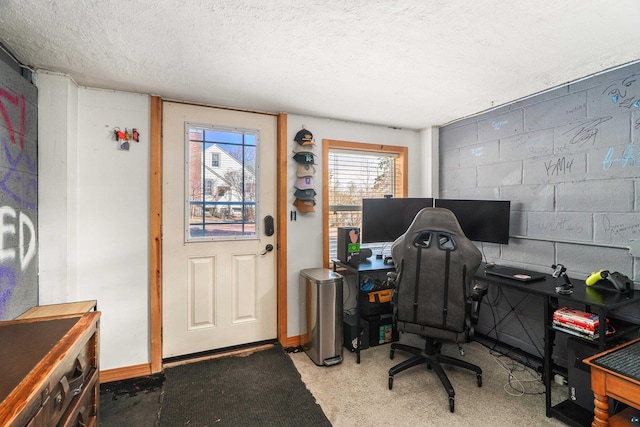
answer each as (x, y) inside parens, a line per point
(219, 184)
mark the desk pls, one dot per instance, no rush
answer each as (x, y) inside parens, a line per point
(590, 299)
(49, 375)
(606, 383)
(370, 266)
(62, 309)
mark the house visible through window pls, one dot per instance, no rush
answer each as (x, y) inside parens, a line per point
(221, 183)
(356, 171)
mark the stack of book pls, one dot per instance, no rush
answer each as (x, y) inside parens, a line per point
(579, 323)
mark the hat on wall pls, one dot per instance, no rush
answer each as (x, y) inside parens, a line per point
(305, 170)
(306, 158)
(304, 205)
(305, 194)
(304, 183)
(304, 137)
(297, 148)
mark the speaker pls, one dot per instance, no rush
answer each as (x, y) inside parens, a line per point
(349, 244)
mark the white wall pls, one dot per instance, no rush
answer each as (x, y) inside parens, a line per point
(97, 208)
(304, 236)
(113, 222)
(57, 186)
(95, 211)
(429, 167)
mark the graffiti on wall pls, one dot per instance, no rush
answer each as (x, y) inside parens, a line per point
(624, 93)
(18, 196)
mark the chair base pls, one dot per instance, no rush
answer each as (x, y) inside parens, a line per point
(432, 357)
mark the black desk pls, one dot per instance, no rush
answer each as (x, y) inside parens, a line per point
(596, 300)
(371, 265)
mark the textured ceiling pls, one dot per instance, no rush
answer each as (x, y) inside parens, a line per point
(408, 64)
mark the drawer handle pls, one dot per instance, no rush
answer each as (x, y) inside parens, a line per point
(76, 383)
(70, 388)
(61, 396)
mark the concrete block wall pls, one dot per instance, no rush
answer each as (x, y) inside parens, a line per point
(18, 193)
(568, 160)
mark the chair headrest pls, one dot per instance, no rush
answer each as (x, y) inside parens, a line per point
(435, 219)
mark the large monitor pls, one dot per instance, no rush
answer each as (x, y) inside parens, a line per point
(384, 220)
(481, 220)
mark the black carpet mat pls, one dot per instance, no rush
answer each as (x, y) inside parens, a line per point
(261, 389)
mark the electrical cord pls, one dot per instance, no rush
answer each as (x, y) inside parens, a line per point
(352, 310)
(515, 385)
(12, 56)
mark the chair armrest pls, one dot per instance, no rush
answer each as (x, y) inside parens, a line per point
(392, 276)
(474, 301)
(478, 292)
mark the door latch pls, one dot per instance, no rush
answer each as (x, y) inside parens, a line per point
(267, 248)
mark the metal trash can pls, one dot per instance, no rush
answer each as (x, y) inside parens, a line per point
(322, 340)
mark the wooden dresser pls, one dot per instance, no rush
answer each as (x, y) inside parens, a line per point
(49, 371)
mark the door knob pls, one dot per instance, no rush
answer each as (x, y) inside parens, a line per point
(267, 248)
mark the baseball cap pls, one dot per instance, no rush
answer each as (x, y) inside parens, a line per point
(304, 183)
(305, 158)
(305, 205)
(308, 148)
(304, 137)
(308, 194)
(305, 170)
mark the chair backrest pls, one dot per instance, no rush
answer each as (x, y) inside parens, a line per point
(436, 264)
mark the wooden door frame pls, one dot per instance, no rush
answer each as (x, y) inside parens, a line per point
(155, 231)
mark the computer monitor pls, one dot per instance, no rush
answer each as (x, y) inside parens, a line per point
(384, 220)
(481, 220)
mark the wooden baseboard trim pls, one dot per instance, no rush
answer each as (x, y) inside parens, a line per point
(125, 373)
(291, 341)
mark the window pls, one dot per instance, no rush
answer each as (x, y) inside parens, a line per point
(355, 171)
(208, 188)
(215, 160)
(222, 201)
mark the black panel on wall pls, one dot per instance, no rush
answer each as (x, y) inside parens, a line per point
(18, 193)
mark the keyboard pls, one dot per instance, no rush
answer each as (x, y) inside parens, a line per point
(623, 361)
(514, 273)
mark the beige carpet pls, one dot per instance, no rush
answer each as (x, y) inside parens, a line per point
(359, 395)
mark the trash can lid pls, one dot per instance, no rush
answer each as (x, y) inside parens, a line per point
(321, 275)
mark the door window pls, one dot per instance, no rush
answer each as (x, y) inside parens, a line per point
(221, 183)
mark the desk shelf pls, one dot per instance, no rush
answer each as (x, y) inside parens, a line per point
(568, 411)
(572, 414)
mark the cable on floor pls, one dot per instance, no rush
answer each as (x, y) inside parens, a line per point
(515, 385)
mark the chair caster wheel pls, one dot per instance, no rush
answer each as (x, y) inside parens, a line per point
(390, 383)
(392, 352)
(451, 404)
(479, 378)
